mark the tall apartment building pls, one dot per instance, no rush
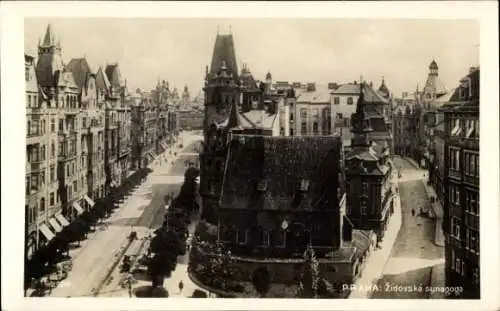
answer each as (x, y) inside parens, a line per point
(41, 163)
(63, 95)
(144, 129)
(461, 184)
(92, 117)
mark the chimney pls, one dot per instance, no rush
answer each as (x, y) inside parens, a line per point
(333, 86)
(472, 69)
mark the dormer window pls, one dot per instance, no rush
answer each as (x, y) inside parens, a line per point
(470, 127)
(457, 129)
(304, 185)
(262, 185)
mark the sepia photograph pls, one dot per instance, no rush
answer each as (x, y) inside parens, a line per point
(226, 157)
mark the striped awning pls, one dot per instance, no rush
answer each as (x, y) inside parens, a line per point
(62, 220)
(89, 200)
(78, 208)
(49, 235)
(54, 224)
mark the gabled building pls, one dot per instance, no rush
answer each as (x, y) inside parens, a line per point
(368, 171)
(63, 100)
(117, 93)
(93, 126)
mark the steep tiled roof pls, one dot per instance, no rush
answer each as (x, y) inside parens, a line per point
(248, 82)
(224, 51)
(372, 96)
(49, 39)
(80, 69)
(349, 88)
(282, 163)
(102, 81)
(114, 76)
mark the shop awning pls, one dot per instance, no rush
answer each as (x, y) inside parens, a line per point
(78, 208)
(62, 220)
(46, 232)
(89, 200)
(54, 224)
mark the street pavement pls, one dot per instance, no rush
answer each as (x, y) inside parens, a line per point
(415, 258)
(142, 210)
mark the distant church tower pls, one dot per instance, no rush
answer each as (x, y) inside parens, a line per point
(222, 93)
(49, 59)
(433, 88)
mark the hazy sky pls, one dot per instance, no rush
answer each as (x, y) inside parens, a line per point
(307, 50)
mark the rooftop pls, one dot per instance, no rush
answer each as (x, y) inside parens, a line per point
(282, 164)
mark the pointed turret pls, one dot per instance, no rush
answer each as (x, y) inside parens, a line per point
(224, 51)
(49, 39)
(234, 119)
(383, 89)
(49, 59)
(360, 122)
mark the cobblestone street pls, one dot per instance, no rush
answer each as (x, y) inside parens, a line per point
(414, 255)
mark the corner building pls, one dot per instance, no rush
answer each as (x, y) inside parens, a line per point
(461, 184)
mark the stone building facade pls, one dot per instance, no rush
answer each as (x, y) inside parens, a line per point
(78, 139)
(461, 184)
(368, 173)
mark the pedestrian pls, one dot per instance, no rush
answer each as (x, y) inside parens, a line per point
(130, 287)
(412, 212)
(181, 286)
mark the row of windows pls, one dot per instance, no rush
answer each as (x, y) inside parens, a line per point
(35, 127)
(470, 163)
(241, 237)
(459, 266)
(32, 101)
(468, 128)
(336, 100)
(471, 235)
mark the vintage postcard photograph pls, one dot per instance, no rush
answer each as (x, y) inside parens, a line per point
(327, 158)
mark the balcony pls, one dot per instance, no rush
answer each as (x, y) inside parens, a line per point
(471, 180)
(455, 175)
(66, 156)
(35, 166)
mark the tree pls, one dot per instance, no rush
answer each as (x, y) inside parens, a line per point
(160, 266)
(165, 241)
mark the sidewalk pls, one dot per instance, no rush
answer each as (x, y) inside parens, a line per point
(91, 263)
(437, 211)
(375, 264)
